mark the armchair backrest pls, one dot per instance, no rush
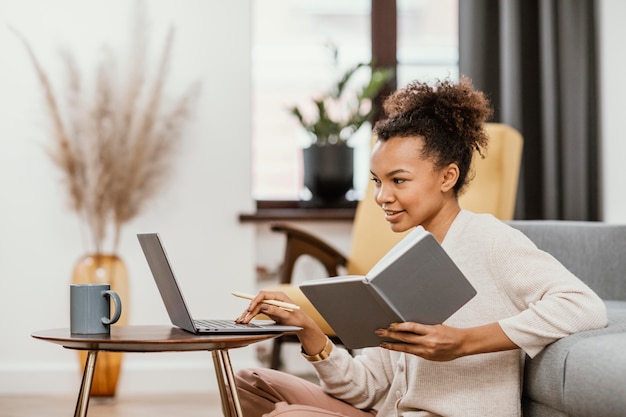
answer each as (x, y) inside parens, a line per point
(492, 190)
(494, 187)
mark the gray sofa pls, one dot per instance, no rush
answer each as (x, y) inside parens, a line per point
(583, 375)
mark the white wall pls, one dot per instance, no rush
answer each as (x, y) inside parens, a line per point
(612, 14)
(196, 214)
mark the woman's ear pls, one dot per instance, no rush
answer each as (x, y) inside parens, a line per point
(450, 177)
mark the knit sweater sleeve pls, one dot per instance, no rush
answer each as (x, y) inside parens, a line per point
(361, 381)
(550, 301)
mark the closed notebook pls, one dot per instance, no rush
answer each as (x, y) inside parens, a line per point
(415, 281)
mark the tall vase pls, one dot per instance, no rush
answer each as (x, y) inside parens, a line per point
(104, 269)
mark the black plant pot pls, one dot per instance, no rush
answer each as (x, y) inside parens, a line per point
(328, 173)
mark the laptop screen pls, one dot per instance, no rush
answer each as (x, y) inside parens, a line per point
(165, 280)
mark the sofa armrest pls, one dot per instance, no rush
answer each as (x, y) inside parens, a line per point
(576, 372)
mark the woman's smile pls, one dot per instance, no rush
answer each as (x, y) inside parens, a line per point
(392, 216)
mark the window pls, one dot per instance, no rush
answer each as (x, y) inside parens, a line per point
(291, 62)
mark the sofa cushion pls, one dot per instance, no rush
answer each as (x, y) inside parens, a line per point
(547, 374)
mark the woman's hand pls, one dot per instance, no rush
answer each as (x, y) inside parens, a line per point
(435, 343)
(278, 314)
(444, 343)
(311, 336)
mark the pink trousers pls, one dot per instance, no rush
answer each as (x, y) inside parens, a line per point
(268, 393)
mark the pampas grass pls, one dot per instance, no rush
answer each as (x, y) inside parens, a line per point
(115, 146)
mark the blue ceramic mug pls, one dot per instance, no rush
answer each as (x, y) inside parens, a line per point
(90, 308)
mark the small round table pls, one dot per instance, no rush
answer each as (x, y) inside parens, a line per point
(155, 339)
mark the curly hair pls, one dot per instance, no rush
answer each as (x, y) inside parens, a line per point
(449, 117)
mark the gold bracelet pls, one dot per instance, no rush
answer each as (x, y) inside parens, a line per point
(320, 356)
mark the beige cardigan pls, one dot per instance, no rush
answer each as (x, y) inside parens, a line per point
(533, 297)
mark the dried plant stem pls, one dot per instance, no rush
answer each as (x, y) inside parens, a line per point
(116, 147)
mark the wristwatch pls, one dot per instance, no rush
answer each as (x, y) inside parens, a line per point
(320, 356)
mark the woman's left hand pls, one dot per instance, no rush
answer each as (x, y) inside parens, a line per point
(444, 343)
(435, 343)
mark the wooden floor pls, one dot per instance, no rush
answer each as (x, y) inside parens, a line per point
(153, 405)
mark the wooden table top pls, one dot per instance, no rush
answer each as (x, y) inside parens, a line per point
(147, 339)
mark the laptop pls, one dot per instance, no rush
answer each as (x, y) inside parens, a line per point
(175, 303)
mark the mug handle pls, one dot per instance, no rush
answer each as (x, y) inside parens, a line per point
(118, 307)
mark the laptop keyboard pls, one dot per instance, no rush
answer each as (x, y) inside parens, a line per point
(223, 324)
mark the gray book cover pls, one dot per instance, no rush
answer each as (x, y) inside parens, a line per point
(415, 281)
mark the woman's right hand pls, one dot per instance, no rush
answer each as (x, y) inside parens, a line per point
(311, 336)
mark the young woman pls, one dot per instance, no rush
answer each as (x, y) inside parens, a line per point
(471, 365)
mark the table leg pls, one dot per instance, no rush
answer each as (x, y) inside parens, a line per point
(218, 365)
(85, 386)
(228, 389)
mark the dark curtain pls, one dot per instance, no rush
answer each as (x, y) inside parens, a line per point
(536, 60)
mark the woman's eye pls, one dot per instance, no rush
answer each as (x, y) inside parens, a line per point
(398, 180)
(375, 180)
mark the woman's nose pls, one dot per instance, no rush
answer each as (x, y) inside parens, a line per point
(382, 195)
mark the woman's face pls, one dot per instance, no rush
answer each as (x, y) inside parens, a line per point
(410, 189)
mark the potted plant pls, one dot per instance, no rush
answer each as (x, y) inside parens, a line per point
(336, 115)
